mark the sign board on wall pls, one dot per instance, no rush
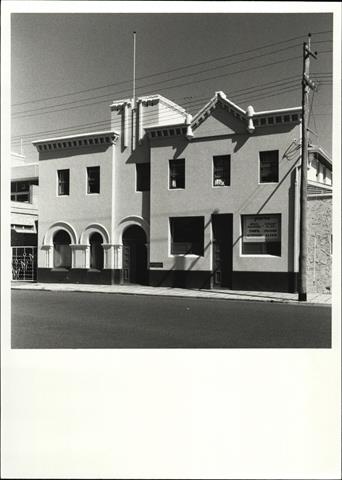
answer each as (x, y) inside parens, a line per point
(156, 264)
(261, 228)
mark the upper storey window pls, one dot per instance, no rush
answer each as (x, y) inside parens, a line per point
(143, 177)
(20, 190)
(177, 173)
(63, 182)
(269, 166)
(221, 171)
(93, 175)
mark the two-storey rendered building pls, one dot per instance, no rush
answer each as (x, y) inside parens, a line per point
(166, 199)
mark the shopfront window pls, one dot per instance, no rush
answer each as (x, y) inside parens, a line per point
(187, 235)
(261, 235)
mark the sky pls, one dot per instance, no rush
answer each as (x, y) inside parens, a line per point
(66, 68)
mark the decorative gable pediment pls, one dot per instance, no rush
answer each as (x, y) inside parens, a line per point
(219, 120)
(220, 116)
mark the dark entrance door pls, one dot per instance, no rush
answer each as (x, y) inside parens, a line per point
(222, 225)
(134, 255)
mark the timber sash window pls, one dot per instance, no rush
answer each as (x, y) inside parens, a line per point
(187, 235)
(221, 171)
(261, 235)
(93, 175)
(20, 190)
(177, 173)
(269, 166)
(63, 182)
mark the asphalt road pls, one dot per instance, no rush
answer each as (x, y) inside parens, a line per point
(96, 320)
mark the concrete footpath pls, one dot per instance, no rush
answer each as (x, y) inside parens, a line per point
(222, 294)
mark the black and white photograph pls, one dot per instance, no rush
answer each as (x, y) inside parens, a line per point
(171, 240)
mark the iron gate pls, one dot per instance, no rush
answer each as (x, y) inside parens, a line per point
(24, 264)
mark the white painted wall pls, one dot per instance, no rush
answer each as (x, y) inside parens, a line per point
(244, 196)
(79, 209)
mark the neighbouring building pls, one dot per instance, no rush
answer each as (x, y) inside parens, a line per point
(164, 198)
(319, 221)
(24, 218)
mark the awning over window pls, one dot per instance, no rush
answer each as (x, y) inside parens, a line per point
(23, 223)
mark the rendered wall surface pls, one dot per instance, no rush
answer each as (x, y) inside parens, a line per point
(132, 206)
(245, 195)
(79, 208)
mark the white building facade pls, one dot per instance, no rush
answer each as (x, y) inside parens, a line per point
(166, 199)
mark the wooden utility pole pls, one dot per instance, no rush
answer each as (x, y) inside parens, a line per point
(307, 85)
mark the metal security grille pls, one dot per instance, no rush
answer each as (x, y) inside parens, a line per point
(24, 264)
(126, 261)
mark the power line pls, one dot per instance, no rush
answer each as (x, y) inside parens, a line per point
(159, 82)
(172, 116)
(281, 92)
(167, 87)
(148, 93)
(267, 85)
(238, 93)
(175, 69)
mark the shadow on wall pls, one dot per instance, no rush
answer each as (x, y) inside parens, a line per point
(73, 152)
(291, 229)
(178, 275)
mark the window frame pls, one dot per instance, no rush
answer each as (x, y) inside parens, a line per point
(260, 182)
(96, 168)
(59, 182)
(255, 254)
(228, 161)
(181, 164)
(93, 254)
(16, 193)
(172, 253)
(69, 250)
(141, 178)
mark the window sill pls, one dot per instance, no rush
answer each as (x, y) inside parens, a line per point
(60, 269)
(261, 255)
(188, 255)
(268, 183)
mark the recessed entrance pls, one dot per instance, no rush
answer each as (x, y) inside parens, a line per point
(222, 249)
(134, 262)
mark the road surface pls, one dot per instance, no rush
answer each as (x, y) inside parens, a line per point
(97, 320)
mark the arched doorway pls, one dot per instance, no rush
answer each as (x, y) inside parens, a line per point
(134, 262)
(96, 251)
(62, 250)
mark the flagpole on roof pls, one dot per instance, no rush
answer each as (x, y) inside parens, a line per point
(134, 55)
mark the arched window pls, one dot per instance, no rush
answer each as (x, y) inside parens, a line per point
(62, 250)
(96, 251)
